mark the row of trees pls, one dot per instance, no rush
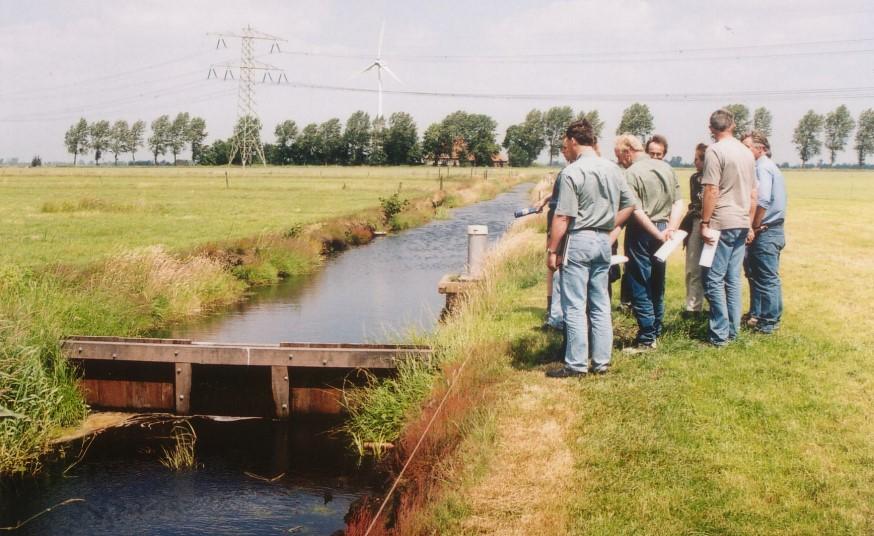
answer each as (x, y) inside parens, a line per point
(361, 141)
(832, 131)
(460, 135)
(123, 138)
(544, 130)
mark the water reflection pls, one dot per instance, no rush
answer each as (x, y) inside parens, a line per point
(127, 491)
(374, 293)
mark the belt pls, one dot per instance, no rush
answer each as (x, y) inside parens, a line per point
(772, 225)
(593, 229)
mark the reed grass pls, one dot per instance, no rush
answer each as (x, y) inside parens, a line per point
(180, 456)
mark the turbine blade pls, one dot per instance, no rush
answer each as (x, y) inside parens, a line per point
(393, 75)
(371, 66)
(381, 33)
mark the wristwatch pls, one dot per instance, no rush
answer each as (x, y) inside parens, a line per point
(550, 251)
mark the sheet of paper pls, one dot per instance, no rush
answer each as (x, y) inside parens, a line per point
(668, 247)
(708, 251)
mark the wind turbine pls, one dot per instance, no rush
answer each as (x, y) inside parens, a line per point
(380, 65)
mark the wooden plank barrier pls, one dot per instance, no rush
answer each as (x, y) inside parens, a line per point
(163, 374)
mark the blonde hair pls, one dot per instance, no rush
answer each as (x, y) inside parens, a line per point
(630, 142)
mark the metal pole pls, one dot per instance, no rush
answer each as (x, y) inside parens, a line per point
(477, 241)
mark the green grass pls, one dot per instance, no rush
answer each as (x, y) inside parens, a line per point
(80, 215)
(772, 435)
(124, 251)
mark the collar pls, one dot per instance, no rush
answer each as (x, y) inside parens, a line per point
(587, 151)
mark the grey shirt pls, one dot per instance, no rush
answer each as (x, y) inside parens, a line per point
(591, 190)
(730, 166)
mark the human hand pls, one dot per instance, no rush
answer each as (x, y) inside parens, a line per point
(751, 236)
(552, 261)
(706, 236)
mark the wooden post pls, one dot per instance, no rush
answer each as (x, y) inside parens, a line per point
(279, 381)
(182, 393)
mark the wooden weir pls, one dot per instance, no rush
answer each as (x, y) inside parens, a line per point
(186, 377)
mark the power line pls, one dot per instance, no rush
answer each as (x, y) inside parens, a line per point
(650, 56)
(85, 81)
(787, 94)
(203, 97)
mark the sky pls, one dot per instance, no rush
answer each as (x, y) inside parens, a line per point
(66, 59)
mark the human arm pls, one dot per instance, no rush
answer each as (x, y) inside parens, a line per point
(647, 224)
(560, 226)
(542, 203)
(621, 217)
(708, 204)
(710, 178)
(674, 220)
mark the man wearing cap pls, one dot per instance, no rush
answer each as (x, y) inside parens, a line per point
(767, 240)
(728, 205)
(656, 187)
(592, 198)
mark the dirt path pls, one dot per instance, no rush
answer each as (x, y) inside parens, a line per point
(532, 465)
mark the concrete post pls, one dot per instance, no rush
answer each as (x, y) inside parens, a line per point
(477, 241)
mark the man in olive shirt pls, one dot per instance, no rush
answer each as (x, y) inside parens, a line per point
(728, 206)
(655, 185)
(592, 198)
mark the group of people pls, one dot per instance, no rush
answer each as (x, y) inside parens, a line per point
(738, 205)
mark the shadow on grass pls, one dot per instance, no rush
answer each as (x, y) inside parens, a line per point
(529, 351)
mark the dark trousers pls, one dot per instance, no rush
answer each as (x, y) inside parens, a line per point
(646, 279)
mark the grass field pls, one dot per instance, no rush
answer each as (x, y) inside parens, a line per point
(79, 215)
(124, 251)
(772, 435)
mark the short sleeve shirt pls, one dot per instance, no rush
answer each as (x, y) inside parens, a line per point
(730, 166)
(655, 185)
(591, 190)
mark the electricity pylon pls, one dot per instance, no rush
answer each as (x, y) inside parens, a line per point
(247, 139)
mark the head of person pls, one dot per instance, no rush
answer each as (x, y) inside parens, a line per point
(657, 147)
(627, 148)
(721, 124)
(757, 143)
(566, 150)
(578, 136)
(700, 149)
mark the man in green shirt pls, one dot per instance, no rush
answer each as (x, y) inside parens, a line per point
(592, 199)
(655, 185)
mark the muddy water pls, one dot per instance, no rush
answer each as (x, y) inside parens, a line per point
(375, 293)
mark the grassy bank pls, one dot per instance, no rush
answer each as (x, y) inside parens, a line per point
(123, 271)
(770, 435)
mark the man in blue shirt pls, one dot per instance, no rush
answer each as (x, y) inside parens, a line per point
(766, 238)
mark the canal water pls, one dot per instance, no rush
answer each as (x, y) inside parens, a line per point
(255, 476)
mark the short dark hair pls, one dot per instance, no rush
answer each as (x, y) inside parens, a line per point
(700, 149)
(582, 131)
(661, 140)
(721, 120)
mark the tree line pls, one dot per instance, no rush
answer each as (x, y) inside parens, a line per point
(121, 137)
(462, 137)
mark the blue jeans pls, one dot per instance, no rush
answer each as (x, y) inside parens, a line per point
(646, 275)
(766, 296)
(722, 286)
(584, 283)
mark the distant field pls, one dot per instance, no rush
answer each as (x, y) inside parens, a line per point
(77, 215)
